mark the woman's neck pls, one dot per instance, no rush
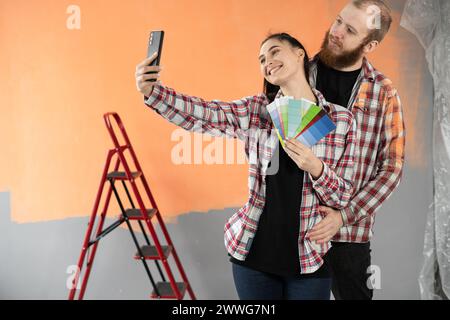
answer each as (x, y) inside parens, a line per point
(299, 89)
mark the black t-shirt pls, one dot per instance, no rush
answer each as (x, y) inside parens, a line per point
(336, 86)
(275, 246)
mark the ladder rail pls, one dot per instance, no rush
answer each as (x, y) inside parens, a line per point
(130, 228)
(169, 242)
(156, 239)
(119, 122)
(99, 231)
(140, 201)
(88, 234)
(88, 256)
(147, 240)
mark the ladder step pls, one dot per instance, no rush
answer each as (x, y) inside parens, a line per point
(166, 292)
(122, 175)
(136, 214)
(150, 252)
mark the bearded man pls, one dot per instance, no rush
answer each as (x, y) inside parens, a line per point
(342, 72)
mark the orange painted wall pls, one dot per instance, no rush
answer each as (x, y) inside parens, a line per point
(56, 84)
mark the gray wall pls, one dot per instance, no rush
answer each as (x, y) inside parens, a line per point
(35, 257)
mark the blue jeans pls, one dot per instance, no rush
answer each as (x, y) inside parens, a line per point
(255, 285)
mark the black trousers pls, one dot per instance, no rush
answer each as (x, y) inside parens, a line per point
(348, 264)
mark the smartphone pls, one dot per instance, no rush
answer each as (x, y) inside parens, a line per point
(155, 43)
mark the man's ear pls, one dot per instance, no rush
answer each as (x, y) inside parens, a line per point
(371, 46)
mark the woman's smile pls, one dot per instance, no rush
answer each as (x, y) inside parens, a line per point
(273, 69)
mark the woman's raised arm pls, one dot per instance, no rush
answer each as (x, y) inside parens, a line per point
(196, 114)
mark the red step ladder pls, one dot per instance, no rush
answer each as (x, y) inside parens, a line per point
(164, 289)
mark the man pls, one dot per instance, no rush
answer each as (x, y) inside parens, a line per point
(343, 74)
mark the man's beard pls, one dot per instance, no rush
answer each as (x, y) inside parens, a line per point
(343, 60)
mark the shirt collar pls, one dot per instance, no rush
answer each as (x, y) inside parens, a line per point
(369, 70)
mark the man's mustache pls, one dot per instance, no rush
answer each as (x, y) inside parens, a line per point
(337, 42)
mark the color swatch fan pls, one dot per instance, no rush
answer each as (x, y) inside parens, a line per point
(299, 119)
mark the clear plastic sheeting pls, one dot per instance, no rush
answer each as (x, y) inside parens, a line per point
(429, 20)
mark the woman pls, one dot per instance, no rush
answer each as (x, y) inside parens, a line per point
(271, 255)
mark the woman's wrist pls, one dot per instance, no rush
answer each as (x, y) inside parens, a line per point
(317, 169)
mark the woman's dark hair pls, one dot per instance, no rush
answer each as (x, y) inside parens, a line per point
(271, 90)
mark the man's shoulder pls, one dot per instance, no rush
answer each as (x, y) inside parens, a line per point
(338, 108)
(383, 83)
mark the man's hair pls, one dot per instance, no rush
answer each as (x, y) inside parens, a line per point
(385, 18)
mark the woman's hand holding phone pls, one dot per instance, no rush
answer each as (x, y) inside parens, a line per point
(147, 76)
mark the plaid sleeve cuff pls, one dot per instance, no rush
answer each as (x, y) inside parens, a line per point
(158, 94)
(347, 215)
(322, 183)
